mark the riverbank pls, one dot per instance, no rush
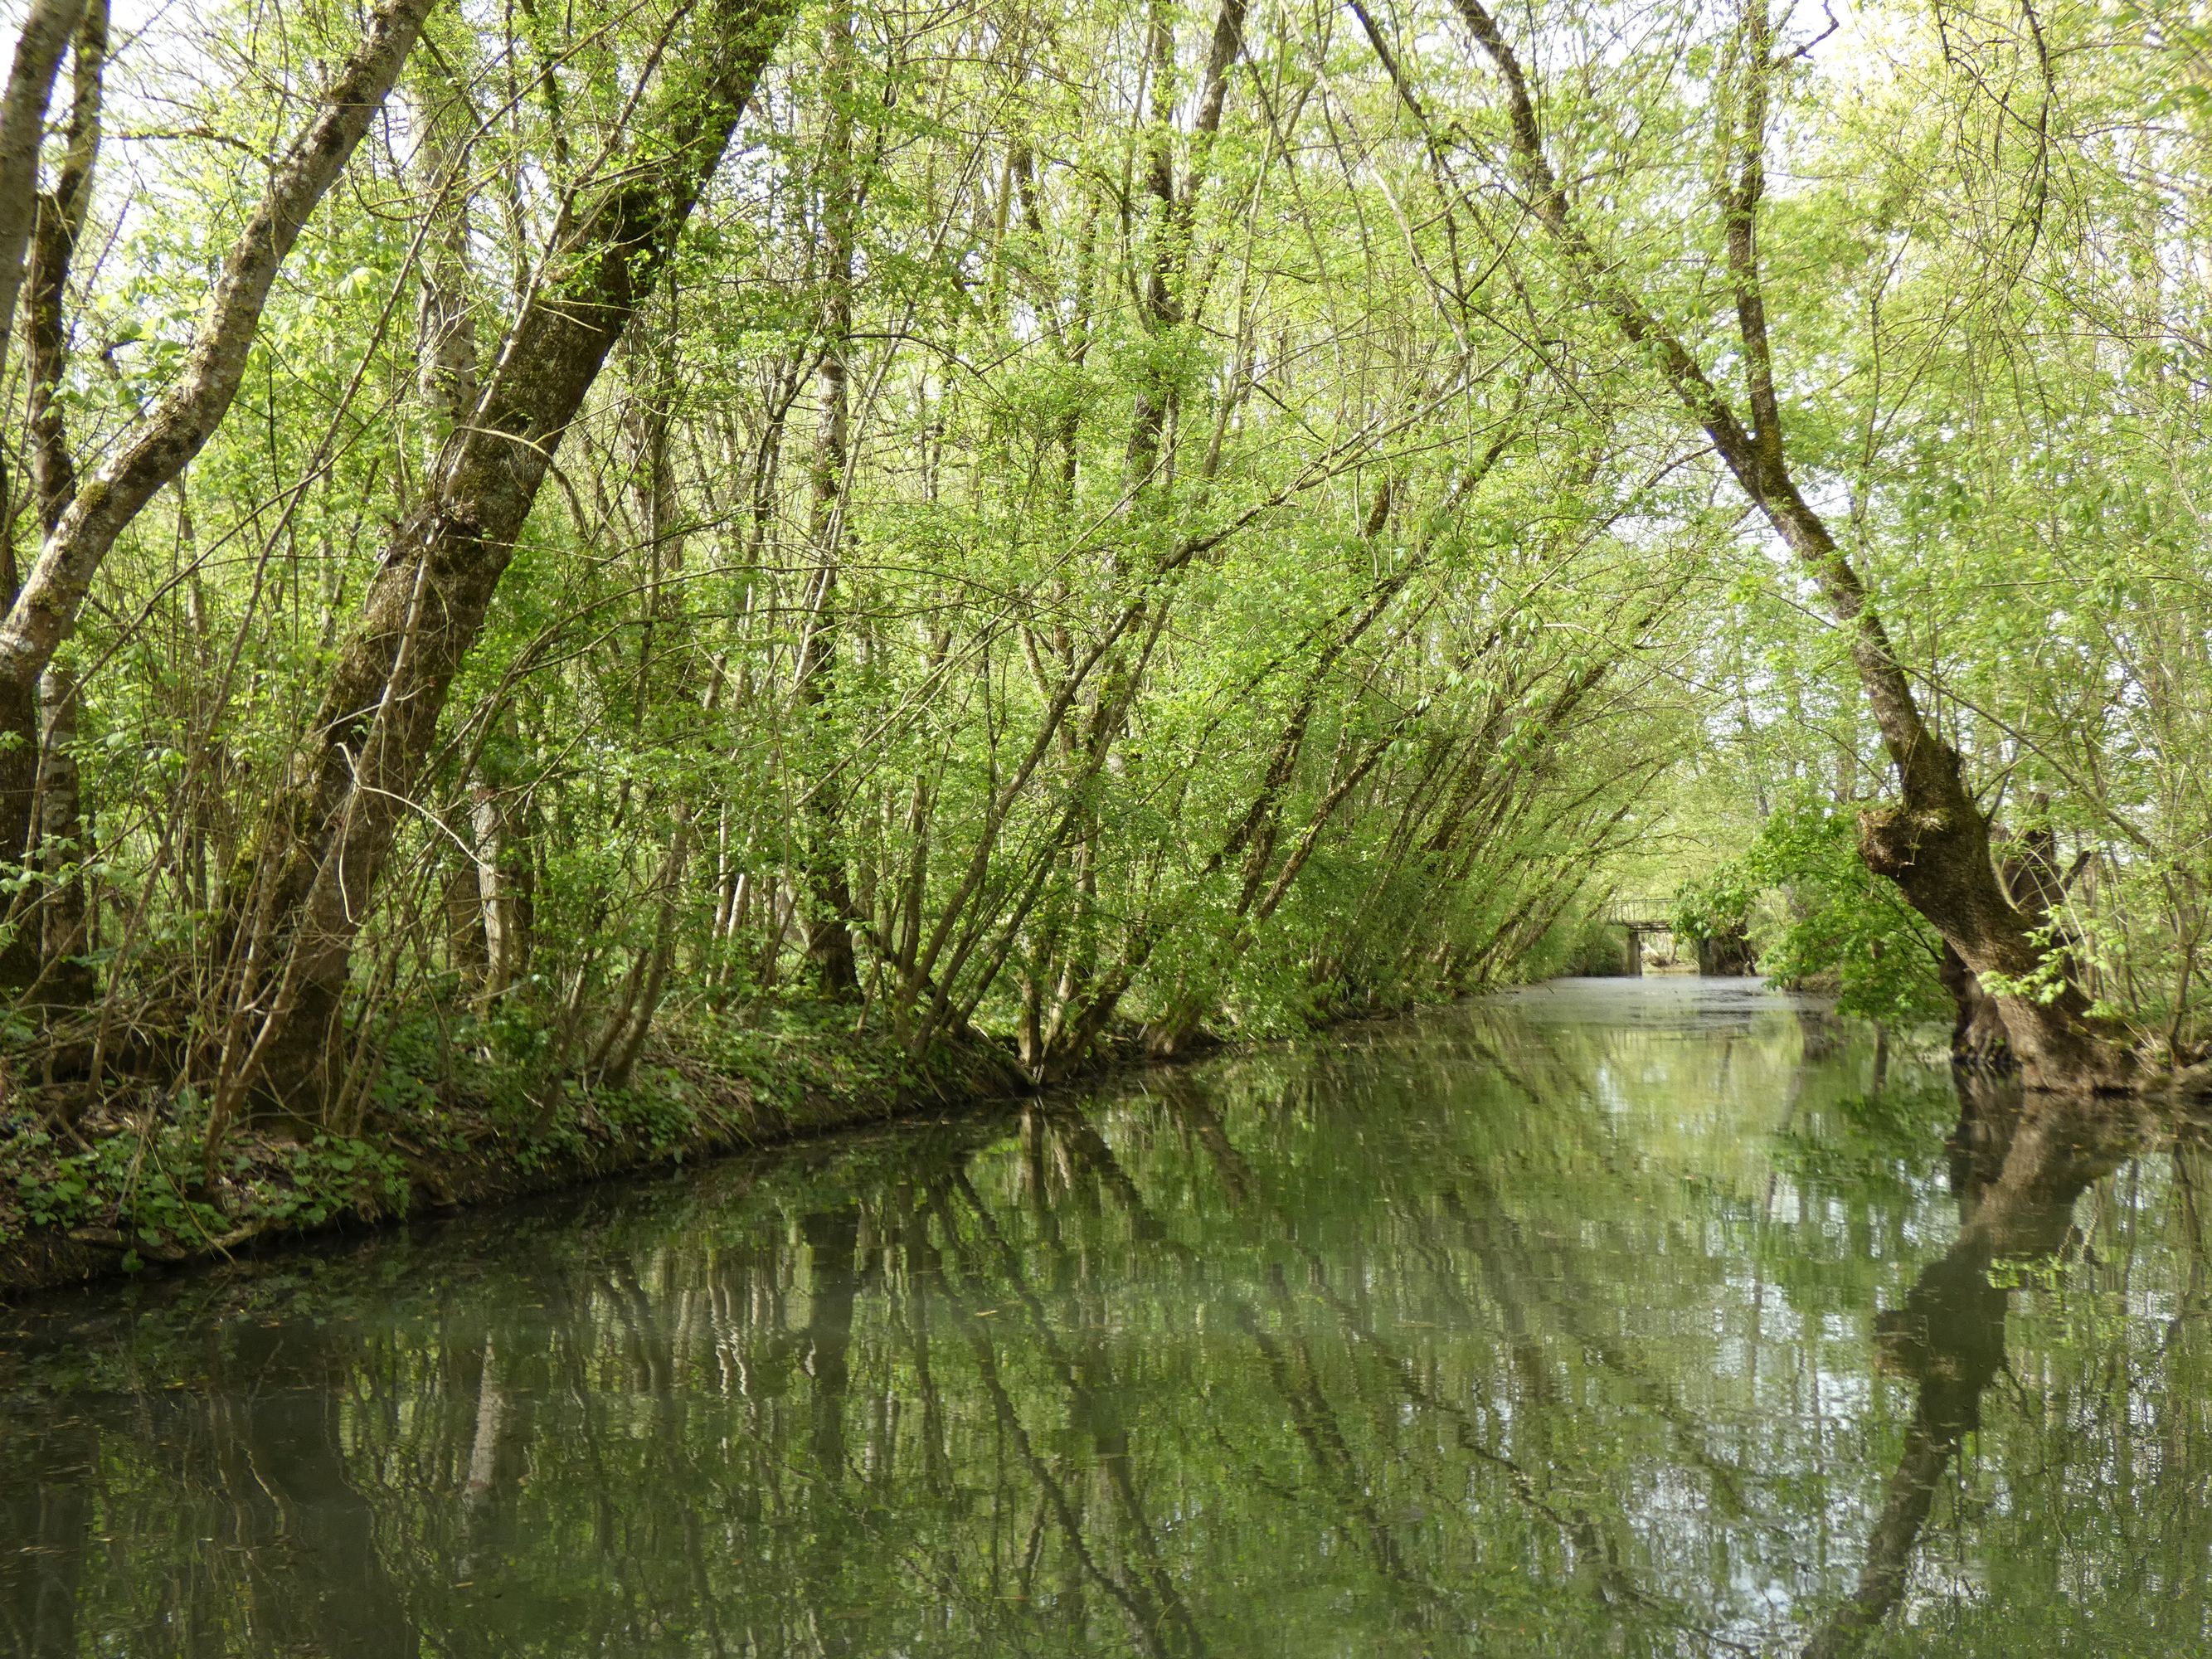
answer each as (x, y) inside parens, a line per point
(115, 1191)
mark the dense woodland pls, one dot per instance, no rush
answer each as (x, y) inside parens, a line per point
(554, 554)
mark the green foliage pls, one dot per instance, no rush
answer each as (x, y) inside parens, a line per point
(145, 1185)
(1586, 945)
(1818, 915)
(141, 1186)
(1123, 616)
(1721, 901)
(333, 1176)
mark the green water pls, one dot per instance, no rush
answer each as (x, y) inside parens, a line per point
(1626, 1318)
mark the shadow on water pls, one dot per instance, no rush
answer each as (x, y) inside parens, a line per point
(1649, 1319)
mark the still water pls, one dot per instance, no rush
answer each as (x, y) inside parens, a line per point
(1658, 1317)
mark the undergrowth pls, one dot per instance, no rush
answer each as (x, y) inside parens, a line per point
(454, 1108)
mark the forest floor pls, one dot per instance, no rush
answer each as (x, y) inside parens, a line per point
(120, 1186)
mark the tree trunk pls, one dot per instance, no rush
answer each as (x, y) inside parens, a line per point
(58, 223)
(1726, 955)
(445, 347)
(328, 837)
(829, 931)
(59, 895)
(1935, 843)
(628, 1034)
(1174, 209)
(38, 51)
(502, 931)
(63, 976)
(157, 446)
(1979, 1037)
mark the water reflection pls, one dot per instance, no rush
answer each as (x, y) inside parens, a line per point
(2017, 1168)
(1636, 1319)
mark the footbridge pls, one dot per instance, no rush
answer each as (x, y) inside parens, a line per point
(1644, 921)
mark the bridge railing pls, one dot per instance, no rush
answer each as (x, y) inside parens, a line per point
(1641, 912)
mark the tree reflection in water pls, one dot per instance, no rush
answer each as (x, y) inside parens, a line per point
(1544, 1327)
(2017, 1166)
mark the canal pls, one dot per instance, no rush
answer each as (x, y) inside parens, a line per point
(1647, 1317)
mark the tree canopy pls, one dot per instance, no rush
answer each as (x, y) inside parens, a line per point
(533, 540)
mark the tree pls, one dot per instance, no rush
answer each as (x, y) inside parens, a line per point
(1934, 842)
